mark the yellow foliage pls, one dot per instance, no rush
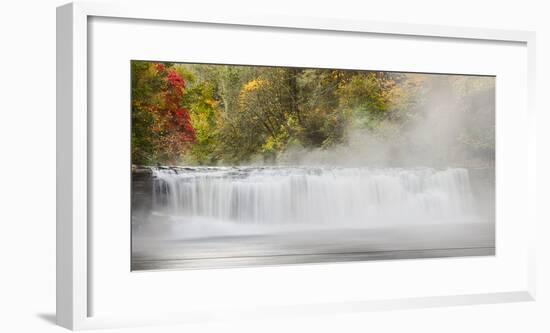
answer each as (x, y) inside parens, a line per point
(250, 89)
(253, 85)
(212, 103)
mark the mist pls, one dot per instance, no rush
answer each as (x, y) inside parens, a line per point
(433, 137)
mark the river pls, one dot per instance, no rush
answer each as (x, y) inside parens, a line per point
(204, 217)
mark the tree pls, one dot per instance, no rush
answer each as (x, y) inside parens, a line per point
(223, 114)
(163, 129)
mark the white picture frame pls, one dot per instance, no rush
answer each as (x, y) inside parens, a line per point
(74, 285)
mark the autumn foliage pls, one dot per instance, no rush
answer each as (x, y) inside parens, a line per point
(158, 111)
(202, 114)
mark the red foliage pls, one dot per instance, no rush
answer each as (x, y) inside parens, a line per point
(183, 121)
(176, 80)
(160, 67)
(174, 121)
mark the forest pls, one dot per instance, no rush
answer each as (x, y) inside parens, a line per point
(202, 114)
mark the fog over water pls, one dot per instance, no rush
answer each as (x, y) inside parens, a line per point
(238, 216)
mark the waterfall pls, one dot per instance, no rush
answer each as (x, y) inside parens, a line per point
(314, 195)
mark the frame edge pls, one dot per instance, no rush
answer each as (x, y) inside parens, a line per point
(64, 186)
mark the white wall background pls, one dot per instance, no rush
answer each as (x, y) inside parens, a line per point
(27, 167)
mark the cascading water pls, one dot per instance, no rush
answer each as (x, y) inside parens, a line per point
(314, 196)
(201, 217)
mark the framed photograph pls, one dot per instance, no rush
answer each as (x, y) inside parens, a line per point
(212, 166)
(253, 165)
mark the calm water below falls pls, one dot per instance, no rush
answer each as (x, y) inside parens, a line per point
(204, 217)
